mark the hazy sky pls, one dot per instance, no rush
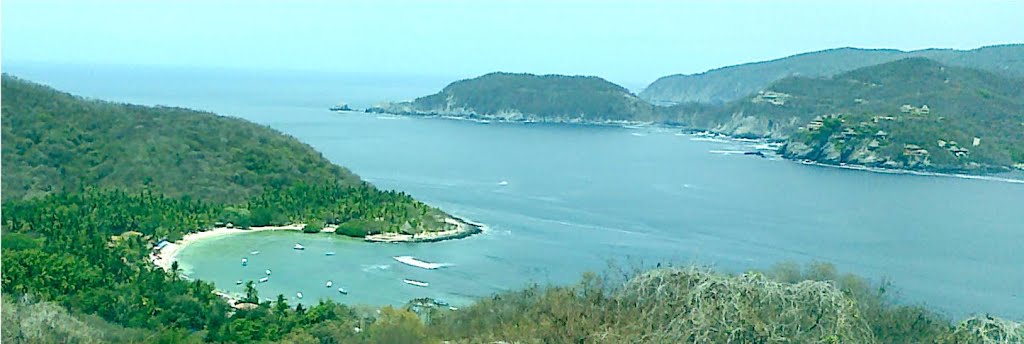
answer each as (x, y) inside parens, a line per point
(628, 42)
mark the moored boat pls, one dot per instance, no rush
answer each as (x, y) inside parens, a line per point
(245, 261)
(264, 279)
(299, 295)
(410, 260)
(299, 247)
(343, 291)
(416, 283)
(330, 283)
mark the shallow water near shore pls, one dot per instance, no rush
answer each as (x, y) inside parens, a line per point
(576, 197)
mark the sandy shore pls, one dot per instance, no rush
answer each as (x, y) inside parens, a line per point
(165, 257)
(459, 229)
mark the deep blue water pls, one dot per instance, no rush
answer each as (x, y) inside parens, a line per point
(578, 197)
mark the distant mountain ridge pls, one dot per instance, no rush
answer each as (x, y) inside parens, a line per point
(876, 115)
(966, 106)
(733, 82)
(524, 97)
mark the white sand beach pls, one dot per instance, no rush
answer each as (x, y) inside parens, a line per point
(165, 257)
(458, 228)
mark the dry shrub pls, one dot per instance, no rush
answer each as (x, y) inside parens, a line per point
(988, 330)
(692, 305)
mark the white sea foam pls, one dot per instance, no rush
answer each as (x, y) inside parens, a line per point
(726, 152)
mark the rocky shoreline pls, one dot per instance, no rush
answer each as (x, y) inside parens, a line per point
(462, 229)
(790, 149)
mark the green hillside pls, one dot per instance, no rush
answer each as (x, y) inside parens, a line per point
(53, 141)
(528, 97)
(974, 120)
(734, 82)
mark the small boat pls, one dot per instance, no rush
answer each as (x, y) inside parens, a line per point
(343, 291)
(328, 253)
(245, 261)
(238, 282)
(299, 247)
(254, 252)
(441, 303)
(416, 283)
(452, 308)
(412, 261)
(299, 295)
(264, 279)
(503, 183)
(268, 272)
(330, 283)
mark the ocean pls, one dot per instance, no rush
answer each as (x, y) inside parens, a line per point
(561, 200)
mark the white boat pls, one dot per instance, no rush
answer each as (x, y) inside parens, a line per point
(343, 291)
(299, 295)
(410, 260)
(328, 253)
(330, 283)
(238, 282)
(245, 261)
(503, 183)
(268, 272)
(416, 283)
(264, 279)
(299, 247)
(254, 252)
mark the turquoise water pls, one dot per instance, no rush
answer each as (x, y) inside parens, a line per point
(578, 197)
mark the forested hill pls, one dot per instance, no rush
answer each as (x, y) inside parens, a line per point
(53, 140)
(733, 82)
(911, 113)
(528, 97)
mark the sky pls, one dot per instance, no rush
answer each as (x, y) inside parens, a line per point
(628, 42)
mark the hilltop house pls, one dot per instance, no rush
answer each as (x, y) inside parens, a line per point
(907, 108)
(914, 150)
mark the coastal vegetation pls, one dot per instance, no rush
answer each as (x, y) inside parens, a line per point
(54, 141)
(76, 268)
(726, 84)
(911, 113)
(963, 119)
(529, 97)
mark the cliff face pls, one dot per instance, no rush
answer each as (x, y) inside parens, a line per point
(836, 152)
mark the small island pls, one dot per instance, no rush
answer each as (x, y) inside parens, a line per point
(340, 107)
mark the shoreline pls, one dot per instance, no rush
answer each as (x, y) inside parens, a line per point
(165, 257)
(703, 133)
(463, 229)
(884, 170)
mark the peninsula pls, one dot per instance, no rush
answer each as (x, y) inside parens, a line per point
(908, 114)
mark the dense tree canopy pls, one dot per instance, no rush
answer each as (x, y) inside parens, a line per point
(535, 97)
(53, 140)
